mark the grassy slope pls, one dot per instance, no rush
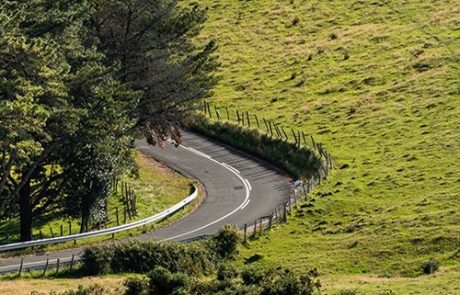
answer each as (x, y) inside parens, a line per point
(157, 188)
(390, 111)
(113, 284)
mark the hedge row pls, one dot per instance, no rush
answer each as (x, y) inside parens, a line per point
(141, 257)
(299, 162)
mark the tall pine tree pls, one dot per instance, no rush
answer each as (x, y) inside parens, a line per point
(151, 42)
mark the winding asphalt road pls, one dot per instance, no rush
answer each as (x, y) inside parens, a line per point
(239, 190)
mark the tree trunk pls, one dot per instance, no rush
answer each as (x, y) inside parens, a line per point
(84, 219)
(25, 212)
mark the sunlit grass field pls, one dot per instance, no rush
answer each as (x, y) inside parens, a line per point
(378, 82)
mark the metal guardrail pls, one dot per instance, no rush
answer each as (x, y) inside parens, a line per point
(105, 231)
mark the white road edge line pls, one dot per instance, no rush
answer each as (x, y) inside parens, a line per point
(228, 214)
(231, 168)
(245, 204)
(249, 184)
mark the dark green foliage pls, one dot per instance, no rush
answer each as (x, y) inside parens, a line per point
(77, 78)
(97, 260)
(64, 111)
(163, 282)
(254, 281)
(226, 272)
(138, 257)
(298, 162)
(143, 257)
(150, 41)
(430, 266)
(91, 290)
(135, 286)
(253, 275)
(225, 242)
(280, 281)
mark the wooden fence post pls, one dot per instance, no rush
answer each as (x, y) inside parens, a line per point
(255, 229)
(249, 121)
(70, 227)
(280, 135)
(266, 125)
(116, 215)
(40, 234)
(295, 137)
(20, 266)
(217, 113)
(228, 113)
(58, 261)
(209, 110)
(238, 116)
(284, 132)
(260, 227)
(257, 121)
(124, 214)
(71, 262)
(304, 140)
(285, 213)
(270, 125)
(62, 230)
(46, 266)
(313, 142)
(245, 233)
(270, 221)
(298, 137)
(51, 230)
(276, 131)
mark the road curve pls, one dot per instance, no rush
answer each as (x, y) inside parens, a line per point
(239, 189)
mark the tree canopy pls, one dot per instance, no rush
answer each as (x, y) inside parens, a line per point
(77, 79)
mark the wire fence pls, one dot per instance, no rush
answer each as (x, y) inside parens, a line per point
(301, 188)
(271, 128)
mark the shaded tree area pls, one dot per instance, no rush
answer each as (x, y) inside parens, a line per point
(150, 41)
(77, 79)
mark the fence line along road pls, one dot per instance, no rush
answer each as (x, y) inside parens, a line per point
(105, 231)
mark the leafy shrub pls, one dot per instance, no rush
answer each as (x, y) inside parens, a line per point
(226, 272)
(430, 266)
(225, 242)
(139, 257)
(251, 281)
(135, 286)
(253, 275)
(299, 162)
(163, 282)
(96, 260)
(280, 282)
(91, 290)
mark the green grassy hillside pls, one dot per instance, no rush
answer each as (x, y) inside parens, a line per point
(378, 82)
